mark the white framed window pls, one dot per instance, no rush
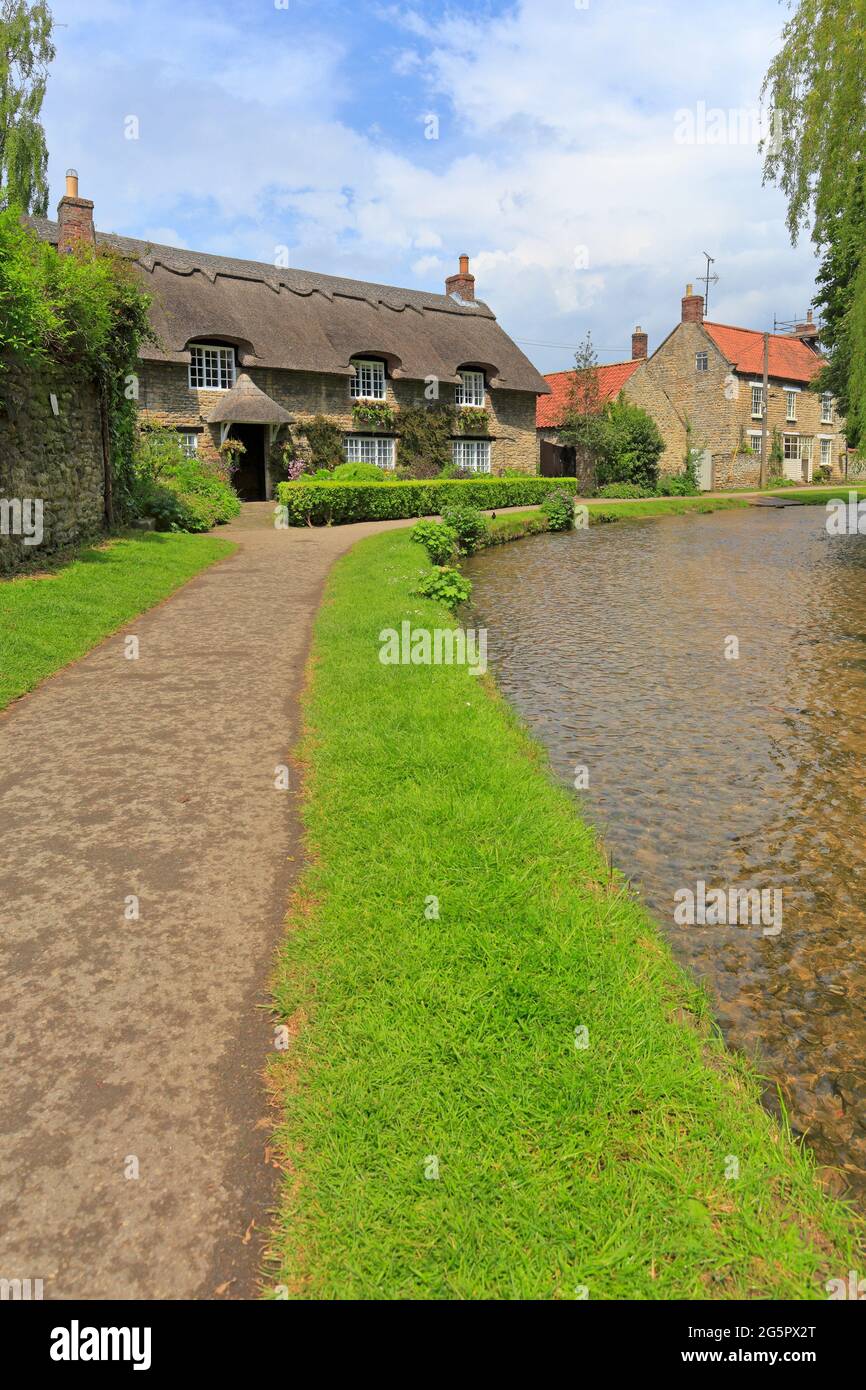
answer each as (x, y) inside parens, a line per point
(188, 440)
(471, 453)
(791, 404)
(470, 390)
(827, 408)
(368, 448)
(791, 446)
(702, 361)
(368, 383)
(826, 453)
(755, 441)
(757, 401)
(211, 368)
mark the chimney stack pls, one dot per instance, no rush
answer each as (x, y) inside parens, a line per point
(462, 285)
(807, 332)
(639, 344)
(74, 217)
(693, 307)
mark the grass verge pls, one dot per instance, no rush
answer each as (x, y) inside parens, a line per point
(820, 496)
(50, 620)
(457, 923)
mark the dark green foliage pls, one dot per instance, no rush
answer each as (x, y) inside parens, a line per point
(324, 441)
(85, 309)
(373, 415)
(558, 508)
(630, 446)
(328, 503)
(447, 585)
(467, 523)
(677, 485)
(425, 439)
(438, 539)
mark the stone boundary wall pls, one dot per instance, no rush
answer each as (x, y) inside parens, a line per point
(55, 460)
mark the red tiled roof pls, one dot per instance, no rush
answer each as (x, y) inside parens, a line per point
(788, 357)
(551, 410)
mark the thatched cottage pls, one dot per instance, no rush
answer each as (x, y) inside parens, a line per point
(247, 349)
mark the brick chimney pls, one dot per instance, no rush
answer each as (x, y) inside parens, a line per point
(808, 331)
(639, 344)
(462, 284)
(74, 217)
(693, 307)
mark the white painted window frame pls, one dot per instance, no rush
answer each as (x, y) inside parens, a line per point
(757, 386)
(792, 458)
(189, 443)
(370, 448)
(471, 390)
(702, 361)
(791, 392)
(826, 407)
(369, 372)
(471, 453)
(755, 441)
(226, 366)
(825, 439)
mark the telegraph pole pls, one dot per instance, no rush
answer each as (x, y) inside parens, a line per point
(764, 459)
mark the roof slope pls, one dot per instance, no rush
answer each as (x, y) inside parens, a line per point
(789, 358)
(551, 410)
(304, 321)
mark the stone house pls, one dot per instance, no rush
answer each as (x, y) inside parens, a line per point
(703, 386)
(247, 350)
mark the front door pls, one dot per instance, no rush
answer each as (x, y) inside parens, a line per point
(248, 480)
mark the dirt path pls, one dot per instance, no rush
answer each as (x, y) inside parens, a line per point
(140, 1042)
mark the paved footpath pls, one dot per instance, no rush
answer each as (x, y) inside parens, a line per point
(138, 1045)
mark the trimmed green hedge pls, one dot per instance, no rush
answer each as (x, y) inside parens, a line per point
(332, 504)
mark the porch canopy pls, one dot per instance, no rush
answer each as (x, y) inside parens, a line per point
(247, 404)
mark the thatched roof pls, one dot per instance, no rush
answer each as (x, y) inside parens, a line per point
(302, 321)
(246, 404)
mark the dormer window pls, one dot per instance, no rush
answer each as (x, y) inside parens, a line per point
(470, 389)
(368, 383)
(211, 367)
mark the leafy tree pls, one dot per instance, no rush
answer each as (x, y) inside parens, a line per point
(26, 49)
(631, 445)
(582, 428)
(816, 153)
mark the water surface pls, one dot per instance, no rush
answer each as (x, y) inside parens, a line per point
(748, 772)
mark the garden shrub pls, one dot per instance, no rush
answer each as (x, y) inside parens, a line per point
(468, 524)
(677, 485)
(558, 509)
(310, 502)
(323, 442)
(358, 473)
(182, 494)
(630, 446)
(439, 540)
(425, 439)
(446, 584)
(624, 490)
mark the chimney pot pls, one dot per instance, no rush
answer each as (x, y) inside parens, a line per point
(72, 183)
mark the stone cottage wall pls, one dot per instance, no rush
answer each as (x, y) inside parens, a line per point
(55, 459)
(166, 398)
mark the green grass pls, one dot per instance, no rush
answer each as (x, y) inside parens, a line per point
(455, 1038)
(48, 621)
(820, 496)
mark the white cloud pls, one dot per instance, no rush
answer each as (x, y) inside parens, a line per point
(558, 134)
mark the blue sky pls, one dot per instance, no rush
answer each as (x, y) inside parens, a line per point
(584, 157)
